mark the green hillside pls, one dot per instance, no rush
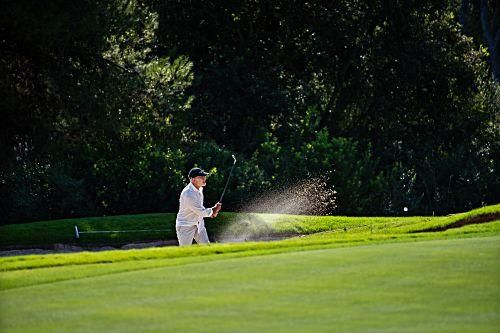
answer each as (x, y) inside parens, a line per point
(226, 227)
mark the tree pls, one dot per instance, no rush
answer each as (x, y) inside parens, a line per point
(481, 19)
(88, 110)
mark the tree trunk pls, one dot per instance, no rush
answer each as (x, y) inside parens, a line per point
(492, 36)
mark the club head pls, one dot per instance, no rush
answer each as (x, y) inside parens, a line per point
(234, 158)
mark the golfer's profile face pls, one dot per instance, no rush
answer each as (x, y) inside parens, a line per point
(200, 181)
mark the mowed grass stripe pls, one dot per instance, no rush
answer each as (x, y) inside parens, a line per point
(322, 240)
(431, 286)
(67, 271)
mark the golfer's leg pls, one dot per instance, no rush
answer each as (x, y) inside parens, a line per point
(185, 235)
(201, 236)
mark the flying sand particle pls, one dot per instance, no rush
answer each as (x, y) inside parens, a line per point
(312, 196)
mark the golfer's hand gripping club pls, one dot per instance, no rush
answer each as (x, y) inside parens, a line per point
(216, 209)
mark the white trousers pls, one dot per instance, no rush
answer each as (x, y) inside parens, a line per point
(185, 235)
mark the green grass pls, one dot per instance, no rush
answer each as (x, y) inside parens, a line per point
(19, 271)
(62, 231)
(335, 232)
(345, 274)
(230, 225)
(444, 285)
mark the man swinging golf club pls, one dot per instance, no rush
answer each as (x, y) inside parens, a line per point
(189, 223)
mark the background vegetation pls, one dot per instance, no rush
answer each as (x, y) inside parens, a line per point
(106, 105)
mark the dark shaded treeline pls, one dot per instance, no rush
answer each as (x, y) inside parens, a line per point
(105, 106)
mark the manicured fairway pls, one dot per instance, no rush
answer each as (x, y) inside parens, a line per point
(448, 285)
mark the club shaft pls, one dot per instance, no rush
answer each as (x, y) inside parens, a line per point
(227, 182)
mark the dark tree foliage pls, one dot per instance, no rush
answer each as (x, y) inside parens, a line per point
(87, 111)
(398, 78)
(106, 105)
(481, 19)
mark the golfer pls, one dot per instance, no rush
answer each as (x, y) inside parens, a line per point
(189, 223)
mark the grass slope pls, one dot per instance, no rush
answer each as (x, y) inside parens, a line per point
(446, 285)
(62, 231)
(19, 271)
(231, 225)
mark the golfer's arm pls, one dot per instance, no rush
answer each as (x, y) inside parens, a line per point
(197, 207)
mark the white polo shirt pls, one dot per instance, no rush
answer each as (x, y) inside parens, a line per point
(191, 209)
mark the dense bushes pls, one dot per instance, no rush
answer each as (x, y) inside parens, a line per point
(106, 106)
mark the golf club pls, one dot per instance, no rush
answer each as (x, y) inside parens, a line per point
(227, 182)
